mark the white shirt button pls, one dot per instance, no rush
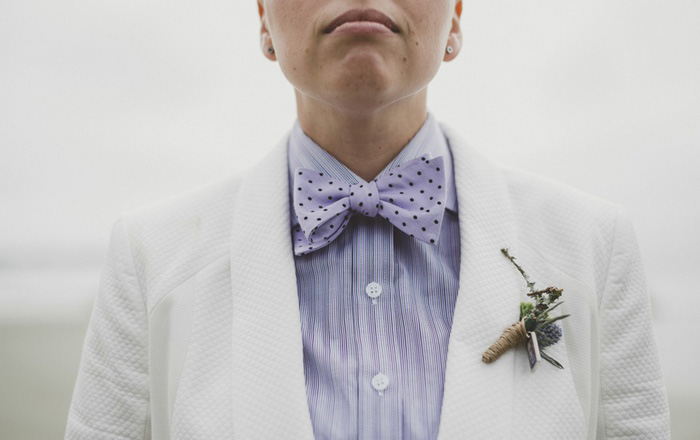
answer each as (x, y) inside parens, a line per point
(373, 289)
(380, 382)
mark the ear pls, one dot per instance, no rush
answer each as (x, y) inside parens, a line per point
(455, 37)
(265, 37)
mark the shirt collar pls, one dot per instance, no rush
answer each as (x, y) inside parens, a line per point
(305, 153)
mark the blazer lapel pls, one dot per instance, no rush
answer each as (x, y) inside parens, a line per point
(478, 397)
(269, 392)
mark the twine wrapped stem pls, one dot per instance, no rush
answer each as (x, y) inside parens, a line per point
(513, 336)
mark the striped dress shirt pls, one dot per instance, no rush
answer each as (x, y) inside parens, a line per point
(376, 309)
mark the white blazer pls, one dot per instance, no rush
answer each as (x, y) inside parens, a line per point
(195, 332)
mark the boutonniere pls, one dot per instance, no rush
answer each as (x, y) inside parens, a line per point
(536, 327)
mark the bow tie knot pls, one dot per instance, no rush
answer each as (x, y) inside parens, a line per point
(364, 198)
(411, 197)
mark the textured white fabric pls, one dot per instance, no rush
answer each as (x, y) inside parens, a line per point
(195, 332)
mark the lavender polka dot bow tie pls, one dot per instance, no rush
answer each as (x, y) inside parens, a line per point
(411, 197)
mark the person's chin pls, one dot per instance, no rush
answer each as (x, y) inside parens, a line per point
(364, 72)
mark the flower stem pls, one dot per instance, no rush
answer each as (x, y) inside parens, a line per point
(530, 284)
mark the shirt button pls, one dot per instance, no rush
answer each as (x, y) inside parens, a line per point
(380, 382)
(373, 290)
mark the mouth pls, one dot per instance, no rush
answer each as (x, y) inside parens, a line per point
(362, 15)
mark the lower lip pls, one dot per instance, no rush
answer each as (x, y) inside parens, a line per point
(360, 28)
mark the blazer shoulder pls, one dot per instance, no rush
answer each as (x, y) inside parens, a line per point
(569, 228)
(208, 205)
(179, 236)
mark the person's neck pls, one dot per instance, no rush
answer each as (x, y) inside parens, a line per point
(366, 141)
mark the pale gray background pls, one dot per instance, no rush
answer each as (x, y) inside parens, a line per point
(108, 106)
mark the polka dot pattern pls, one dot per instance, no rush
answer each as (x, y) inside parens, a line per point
(411, 197)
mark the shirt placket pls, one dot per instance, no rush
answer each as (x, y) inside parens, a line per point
(379, 400)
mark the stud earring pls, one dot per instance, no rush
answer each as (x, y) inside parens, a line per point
(449, 49)
(270, 50)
